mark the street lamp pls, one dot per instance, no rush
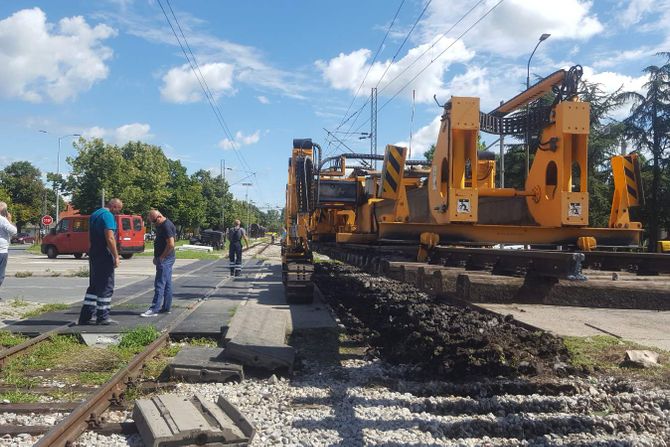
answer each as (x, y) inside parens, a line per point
(246, 197)
(223, 177)
(57, 191)
(542, 38)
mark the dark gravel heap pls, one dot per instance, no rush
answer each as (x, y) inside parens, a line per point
(408, 326)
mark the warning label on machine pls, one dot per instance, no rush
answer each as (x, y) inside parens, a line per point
(463, 206)
(574, 209)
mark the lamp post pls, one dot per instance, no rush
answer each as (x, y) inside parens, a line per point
(542, 38)
(57, 190)
(223, 195)
(246, 197)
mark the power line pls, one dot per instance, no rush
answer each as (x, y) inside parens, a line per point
(393, 59)
(434, 59)
(437, 40)
(374, 59)
(193, 63)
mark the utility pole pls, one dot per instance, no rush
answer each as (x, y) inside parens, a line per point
(373, 124)
(246, 201)
(223, 195)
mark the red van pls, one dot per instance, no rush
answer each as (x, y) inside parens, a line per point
(70, 237)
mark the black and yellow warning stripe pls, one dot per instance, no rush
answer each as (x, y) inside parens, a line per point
(394, 163)
(631, 169)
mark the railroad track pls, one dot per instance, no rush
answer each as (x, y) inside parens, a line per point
(77, 416)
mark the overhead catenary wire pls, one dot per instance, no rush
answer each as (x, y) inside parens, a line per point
(411, 64)
(433, 60)
(195, 68)
(393, 59)
(381, 45)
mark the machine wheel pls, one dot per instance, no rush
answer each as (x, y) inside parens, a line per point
(127, 255)
(52, 252)
(78, 255)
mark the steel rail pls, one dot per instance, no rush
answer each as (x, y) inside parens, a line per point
(9, 353)
(641, 263)
(89, 413)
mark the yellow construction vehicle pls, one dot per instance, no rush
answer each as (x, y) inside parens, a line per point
(459, 202)
(297, 266)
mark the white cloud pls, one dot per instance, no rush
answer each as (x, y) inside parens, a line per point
(263, 99)
(423, 138)
(180, 84)
(240, 140)
(611, 81)
(121, 134)
(635, 11)
(347, 71)
(57, 61)
(515, 25)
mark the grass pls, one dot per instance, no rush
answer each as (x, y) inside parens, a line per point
(25, 274)
(49, 354)
(45, 308)
(18, 302)
(35, 249)
(94, 377)
(134, 341)
(604, 354)
(81, 273)
(19, 396)
(8, 340)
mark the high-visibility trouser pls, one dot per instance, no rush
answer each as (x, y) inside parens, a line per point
(235, 256)
(98, 297)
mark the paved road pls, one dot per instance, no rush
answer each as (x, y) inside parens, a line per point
(44, 288)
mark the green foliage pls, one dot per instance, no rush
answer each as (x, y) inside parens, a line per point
(19, 396)
(139, 337)
(8, 340)
(649, 127)
(21, 186)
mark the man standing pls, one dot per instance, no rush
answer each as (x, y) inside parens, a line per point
(7, 230)
(103, 258)
(235, 236)
(164, 258)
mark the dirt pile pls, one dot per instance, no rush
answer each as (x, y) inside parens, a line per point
(408, 326)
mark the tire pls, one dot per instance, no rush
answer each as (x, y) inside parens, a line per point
(52, 253)
(127, 255)
(78, 255)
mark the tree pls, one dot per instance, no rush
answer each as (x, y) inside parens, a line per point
(22, 182)
(186, 205)
(137, 173)
(649, 125)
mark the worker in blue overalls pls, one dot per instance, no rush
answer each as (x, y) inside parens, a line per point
(235, 237)
(103, 256)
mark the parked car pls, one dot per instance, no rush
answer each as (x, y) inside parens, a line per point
(23, 238)
(70, 237)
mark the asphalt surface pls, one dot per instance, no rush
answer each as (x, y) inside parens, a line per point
(55, 280)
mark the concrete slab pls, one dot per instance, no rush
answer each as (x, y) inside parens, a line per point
(201, 364)
(210, 320)
(260, 323)
(258, 353)
(171, 420)
(646, 327)
(101, 340)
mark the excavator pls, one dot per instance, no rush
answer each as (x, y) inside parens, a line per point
(453, 199)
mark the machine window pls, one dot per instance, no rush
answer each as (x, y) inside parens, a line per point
(137, 224)
(125, 223)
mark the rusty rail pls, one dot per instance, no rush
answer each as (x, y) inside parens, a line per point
(89, 413)
(9, 353)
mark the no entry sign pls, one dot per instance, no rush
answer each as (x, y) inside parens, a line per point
(47, 220)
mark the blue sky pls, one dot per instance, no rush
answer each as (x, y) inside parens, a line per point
(287, 69)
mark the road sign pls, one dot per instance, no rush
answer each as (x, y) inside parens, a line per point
(47, 220)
